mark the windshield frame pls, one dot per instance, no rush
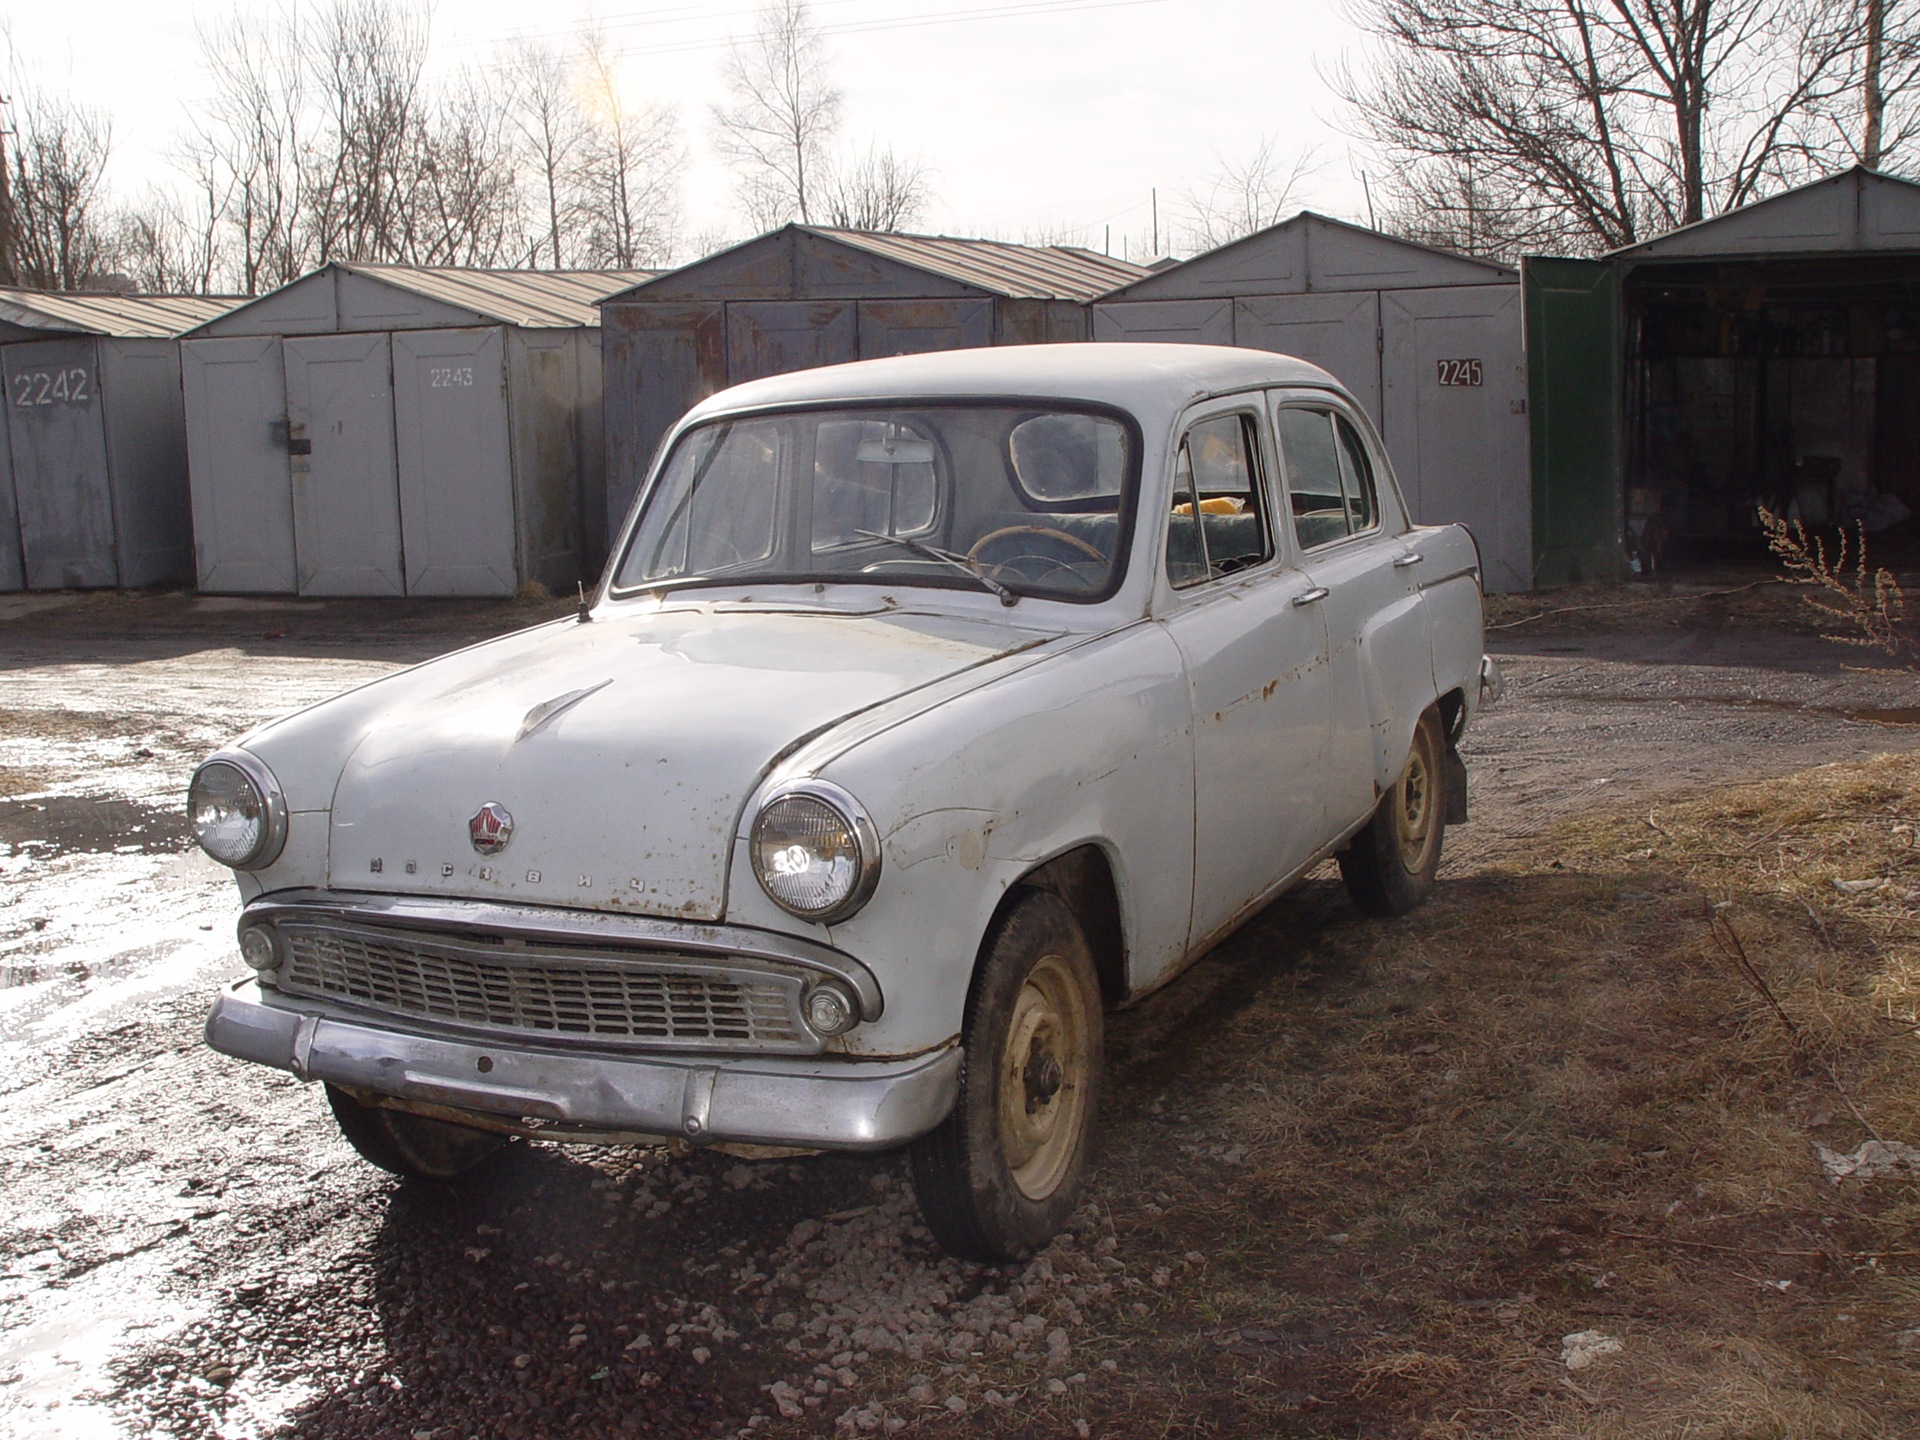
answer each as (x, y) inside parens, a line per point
(1126, 505)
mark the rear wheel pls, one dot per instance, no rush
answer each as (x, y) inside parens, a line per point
(999, 1177)
(1390, 865)
(413, 1146)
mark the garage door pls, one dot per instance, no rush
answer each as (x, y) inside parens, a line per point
(456, 478)
(1454, 413)
(12, 575)
(1339, 333)
(58, 441)
(1186, 322)
(236, 395)
(346, 501)
(778, 337)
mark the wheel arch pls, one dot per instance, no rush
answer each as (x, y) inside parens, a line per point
(1083, 878)
(1453, 715)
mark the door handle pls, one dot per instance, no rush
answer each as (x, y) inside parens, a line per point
(1405, 560)
(1313, 596)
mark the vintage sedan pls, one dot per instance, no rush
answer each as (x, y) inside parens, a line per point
(928, 708)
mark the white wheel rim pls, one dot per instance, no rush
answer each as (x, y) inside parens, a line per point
(1414, 800)
(1043, 1078)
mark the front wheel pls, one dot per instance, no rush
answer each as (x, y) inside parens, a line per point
(415, 1147)
(999, 1177)
(1390, 865)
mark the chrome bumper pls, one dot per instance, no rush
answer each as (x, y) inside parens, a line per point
(809, 1103)
(1492, 683)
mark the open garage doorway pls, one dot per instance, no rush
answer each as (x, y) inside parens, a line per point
(1789, 384)
(1769, 356)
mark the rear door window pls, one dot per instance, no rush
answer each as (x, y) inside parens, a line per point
(1330, 488)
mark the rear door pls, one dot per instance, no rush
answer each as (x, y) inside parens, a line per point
(1255, 648)
(455, 461)
(237, 440)
(346, 498)
(58, 441)
(1352, 543)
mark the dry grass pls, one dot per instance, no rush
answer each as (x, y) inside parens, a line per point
(1767, 602)
(1387, 1168)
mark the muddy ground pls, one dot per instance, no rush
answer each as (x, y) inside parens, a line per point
(187, 1248)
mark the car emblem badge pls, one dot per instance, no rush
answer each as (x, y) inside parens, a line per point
(490, 828)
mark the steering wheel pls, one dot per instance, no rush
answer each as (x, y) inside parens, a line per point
(1064, 536)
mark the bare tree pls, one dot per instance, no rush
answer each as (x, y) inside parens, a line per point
(55, 163)
(1880, 118)
(627, 198)
(782, 110)
(551, 132)
(365, 60)
(248, 150)
(164, 249)
(463, 203)
(878, 190)
(1588, 124)
(1245, 194)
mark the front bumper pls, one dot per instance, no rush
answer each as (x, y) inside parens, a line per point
(826, 1104)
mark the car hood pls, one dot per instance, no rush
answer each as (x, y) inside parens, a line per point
(623, 751)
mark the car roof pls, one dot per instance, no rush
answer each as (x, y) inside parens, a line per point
(1132, 376)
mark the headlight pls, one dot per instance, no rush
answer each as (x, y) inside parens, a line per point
(239, 815)
(815, 851)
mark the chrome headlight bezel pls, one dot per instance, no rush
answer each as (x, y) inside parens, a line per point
(853, 816)
(273, 808)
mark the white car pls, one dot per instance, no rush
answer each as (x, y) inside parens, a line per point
(928, 708)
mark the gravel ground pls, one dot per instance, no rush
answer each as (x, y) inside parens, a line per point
(189, 1249)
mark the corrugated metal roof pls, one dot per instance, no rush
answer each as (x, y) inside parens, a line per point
(536, 298)
(1020, 272)
(1309, 251)
(131, 316)
(1857, 209)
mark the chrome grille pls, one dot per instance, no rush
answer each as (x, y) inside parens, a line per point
(651, 999)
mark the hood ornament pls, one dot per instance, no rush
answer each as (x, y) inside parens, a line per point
(552, 709)
(490, 828)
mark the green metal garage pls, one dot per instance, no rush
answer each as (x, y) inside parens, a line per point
(1770, 356)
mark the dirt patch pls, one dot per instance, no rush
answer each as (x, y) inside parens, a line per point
(1572, 1180)
(1750, 600)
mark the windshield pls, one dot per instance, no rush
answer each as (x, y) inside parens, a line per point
(1031, 500)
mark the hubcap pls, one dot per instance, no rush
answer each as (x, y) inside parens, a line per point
(1043, 1078)
(1413, 814)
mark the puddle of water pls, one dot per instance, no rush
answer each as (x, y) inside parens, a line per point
(91, 824)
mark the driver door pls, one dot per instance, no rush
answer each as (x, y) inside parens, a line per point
(1254, 640)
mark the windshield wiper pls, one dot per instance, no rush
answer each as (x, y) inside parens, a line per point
(946, 557)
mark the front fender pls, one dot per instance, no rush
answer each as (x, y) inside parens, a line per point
(1092, 746)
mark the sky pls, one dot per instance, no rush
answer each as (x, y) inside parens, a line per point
(1039, 119)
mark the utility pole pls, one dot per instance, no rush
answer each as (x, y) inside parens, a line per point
(1155, 192)
(1875, 103)
(9, 274)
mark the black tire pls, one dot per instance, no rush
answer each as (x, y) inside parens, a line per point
(999, 1177)
(411, 1146)
(1390, 865)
